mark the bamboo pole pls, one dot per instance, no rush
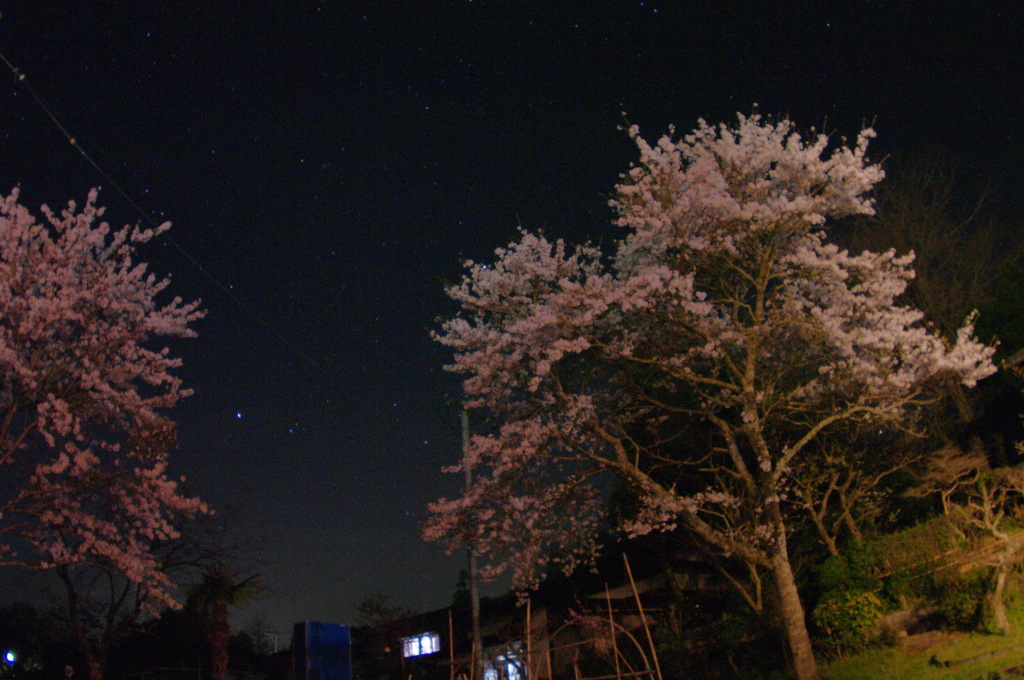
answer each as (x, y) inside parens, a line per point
(547, 655)
(451, 646)
(529, 642)
(628, 674)
(643, 618)
(611, 631)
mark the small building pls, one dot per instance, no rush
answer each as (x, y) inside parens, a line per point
(564, 621)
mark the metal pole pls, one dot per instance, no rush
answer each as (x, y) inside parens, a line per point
(474, 592)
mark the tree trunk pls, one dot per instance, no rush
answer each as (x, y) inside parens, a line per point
(85, 648)
(851, 525)
(998, 605)
(793, 613)
(220, 636)
(94, 663)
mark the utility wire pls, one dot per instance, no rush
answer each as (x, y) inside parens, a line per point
(239, 302)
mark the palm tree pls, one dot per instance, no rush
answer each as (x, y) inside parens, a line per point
(219, 590)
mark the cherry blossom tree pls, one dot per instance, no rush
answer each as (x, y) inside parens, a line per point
(84, 434)
(697, 364)
(103, 607)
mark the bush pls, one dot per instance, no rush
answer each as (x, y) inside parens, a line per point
(855, 569)
(896, 566)
(901, 588)
(914, 546)
(848, 620)
(962, 599)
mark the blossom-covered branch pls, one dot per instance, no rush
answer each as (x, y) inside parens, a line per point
(84, 394)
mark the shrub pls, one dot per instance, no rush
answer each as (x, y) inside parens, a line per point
(901, 588)
(855, 569)
(916, 545)
(848, 620)
(962, 598)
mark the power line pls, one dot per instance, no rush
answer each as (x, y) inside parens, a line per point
(241, 304)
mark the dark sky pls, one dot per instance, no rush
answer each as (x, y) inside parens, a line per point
(329, 165)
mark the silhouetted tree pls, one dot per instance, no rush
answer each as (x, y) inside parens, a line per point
(220, 590)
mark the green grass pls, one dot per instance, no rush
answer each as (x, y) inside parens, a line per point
(893, 664)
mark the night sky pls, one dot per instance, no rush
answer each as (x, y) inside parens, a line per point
(327, 166)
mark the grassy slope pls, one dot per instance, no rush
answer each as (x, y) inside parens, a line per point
(997, 652)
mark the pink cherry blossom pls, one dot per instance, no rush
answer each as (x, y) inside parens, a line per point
(84, 393)
(723, 312)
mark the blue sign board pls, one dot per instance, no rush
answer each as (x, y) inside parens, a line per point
(322, 651)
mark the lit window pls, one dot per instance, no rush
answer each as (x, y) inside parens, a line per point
(504, 667)
(418, 645)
